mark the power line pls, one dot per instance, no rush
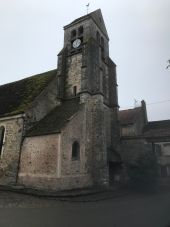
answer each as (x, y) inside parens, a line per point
(152, 103)
(163, 101)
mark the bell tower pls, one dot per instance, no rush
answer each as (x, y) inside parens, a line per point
(84, 63)
(85, 70)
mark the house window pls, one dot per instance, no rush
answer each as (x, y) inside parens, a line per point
(75, 90)
(165, 171)
(166, 149)
(2, 132)
(75, 151)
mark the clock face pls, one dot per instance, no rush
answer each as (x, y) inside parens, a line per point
(76, 43)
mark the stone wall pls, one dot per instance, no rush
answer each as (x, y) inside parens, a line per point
(46, 161)
(10, 154)
(96, 144)
(39, 156)
(73, 78)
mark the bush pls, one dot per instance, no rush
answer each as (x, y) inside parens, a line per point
(143, 174)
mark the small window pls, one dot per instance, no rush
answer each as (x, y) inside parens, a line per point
(75, 90)
(80, 30)
(102, 47)
(158, 149)
(73, 34)
(98, 37)
(2, 132)
(102, 42)
(75, 151)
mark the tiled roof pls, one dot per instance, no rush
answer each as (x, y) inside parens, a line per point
(17, 96)
(129, 116)
(56, 119)
(157, 129)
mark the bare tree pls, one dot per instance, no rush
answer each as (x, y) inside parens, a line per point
(168, 64)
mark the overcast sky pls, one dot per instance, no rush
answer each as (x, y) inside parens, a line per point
(31, 35)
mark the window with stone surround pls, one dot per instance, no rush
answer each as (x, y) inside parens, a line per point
(102, 47)
(75, 151)
(98, 37)
(166, 149)
(73, 34)
(2, 133)
(80, 31)
(75, 90)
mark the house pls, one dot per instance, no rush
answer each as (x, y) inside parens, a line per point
(158, 133)
(133, 120)
(136, 129)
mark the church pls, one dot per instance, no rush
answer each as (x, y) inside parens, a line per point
(62, 129)
(59, 130)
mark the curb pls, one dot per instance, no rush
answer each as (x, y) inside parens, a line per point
(79, 195)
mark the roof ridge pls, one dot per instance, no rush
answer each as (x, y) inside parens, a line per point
(131, 109)
(29, 77)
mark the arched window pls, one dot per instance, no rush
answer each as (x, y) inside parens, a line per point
(75, 151)
(2, 132)
(73, 34)
(80, 30)
(98, 37)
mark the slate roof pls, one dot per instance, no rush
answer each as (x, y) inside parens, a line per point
(157, 129)
(56, 119)
(129, 116)
(17, 96)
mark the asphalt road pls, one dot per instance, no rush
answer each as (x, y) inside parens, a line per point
(126, 211)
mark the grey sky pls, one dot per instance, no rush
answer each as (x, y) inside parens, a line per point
(31, 35)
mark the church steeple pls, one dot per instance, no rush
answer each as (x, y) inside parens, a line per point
(84, 28)
(84, 63)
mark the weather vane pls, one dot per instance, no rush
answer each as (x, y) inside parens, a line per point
(88, 7)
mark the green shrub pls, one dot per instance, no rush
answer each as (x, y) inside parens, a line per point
(143, 174)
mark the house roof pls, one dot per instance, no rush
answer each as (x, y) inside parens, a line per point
(129, 116)
(17, 96)
(157, 129)
(56, 119)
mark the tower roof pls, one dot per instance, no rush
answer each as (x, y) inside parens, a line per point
(96, 16)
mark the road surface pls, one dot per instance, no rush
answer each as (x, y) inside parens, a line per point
(125, 211)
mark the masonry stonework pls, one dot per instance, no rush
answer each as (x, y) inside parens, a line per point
(9, 160)
(75, 104)
(73, 78)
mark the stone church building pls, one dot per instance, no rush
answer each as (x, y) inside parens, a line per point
(63, 130)
(59, 129)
